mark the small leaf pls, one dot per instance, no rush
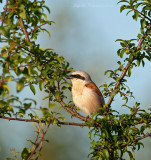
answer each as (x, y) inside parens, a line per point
(138, 62)
(25, 153)
(106, 153)
(22, 13)
(5, 87)
(51, 105)
(122, 8)
(32, 89)
(19, 85)
(129, 71)
(41, 85)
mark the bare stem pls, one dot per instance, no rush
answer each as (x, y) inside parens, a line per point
(42, 121)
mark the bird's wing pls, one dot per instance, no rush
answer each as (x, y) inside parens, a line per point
(94, 87)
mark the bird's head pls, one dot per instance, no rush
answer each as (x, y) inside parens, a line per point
(79, 77)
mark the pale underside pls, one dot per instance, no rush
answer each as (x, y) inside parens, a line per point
(86, 99)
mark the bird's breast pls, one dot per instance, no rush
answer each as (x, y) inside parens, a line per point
(86, 100)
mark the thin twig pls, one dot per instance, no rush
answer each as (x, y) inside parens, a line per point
(13, 151)
(140, 12)
(138, 139)
(42, 121)
(36, 28)
(123, 93)
(143, 121)
(36, 146)
(23, 66)
(142, 137)
(12, 8)
(41, 141)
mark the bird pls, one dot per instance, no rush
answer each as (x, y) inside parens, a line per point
(85, 94)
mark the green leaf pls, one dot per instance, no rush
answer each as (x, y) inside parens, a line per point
(106, 154)
(22, 13)
(122, 8)
(129, 71)
(19, 85)
(32, 89)
(143, 63)
(138, 62)
(143, 23)
(135, 16)
(122, 53)
(41, 85)
(47, 9)
(119, 40)
(25, 153)
(5, 31)
(51, 105)
(130, 155)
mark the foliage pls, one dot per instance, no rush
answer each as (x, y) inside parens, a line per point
(24, 62)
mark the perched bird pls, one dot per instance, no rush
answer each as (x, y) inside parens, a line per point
(86, 95)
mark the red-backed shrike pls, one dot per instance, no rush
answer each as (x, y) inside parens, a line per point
(86, 95)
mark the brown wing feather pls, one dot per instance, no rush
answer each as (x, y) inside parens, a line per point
(94, 87)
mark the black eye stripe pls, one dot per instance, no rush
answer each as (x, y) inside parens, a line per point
(78, 76)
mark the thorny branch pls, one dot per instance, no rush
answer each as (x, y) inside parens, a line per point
(126, 68)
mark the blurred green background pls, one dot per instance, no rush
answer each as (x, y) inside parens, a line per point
(84, 33)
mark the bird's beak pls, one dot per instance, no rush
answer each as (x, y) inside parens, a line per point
(69, 77)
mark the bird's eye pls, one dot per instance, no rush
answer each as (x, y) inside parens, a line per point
(78, 76)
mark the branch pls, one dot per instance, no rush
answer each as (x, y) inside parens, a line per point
(23, 65)
(139, 12)
(126, 68)
(36, 28)
(142, 137)
(41, 141)
(24, 29)
(15, 155)
(143, 121)
(75, 114)
(138, 139)
(39, 144)
(42, 121)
